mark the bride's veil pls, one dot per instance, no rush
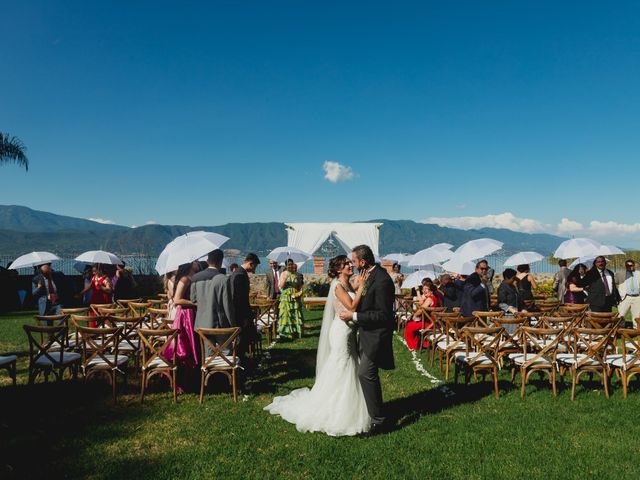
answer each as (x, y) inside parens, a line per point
(327, 318)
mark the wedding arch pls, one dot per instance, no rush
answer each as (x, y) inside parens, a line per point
(308, 237)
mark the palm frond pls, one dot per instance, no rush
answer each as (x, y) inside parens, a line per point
(12, 151)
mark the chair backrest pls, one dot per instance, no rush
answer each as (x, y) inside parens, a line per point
(594, 343)
(630, 340)
(547, 308)
(95, 306)
(154, 342)
(106, 311)
(43, 339)
(129, 326)
(75, 311)
(485, 340)
(158, 317)
(540, 343)
(139, 309)
(454, 325)
(124, 302)
(86, 320)
(556, 321)
(573, 308)
(50, 320)
(155, 302)
(209, 336)
(485, 318)
(99, 344)
(601, 319)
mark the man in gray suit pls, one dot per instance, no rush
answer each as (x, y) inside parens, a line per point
(560, 280)
(629, 288)
(211, 292)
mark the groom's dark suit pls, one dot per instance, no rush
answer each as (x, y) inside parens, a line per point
(375, 322)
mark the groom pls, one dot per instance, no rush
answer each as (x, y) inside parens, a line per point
(374, 320)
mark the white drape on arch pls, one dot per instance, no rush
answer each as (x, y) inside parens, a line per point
(308, 237)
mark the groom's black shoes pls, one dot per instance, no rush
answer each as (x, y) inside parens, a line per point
(378, 429)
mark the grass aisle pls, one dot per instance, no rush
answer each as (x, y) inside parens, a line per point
(442, 430)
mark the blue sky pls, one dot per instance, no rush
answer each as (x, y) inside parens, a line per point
(203, 113)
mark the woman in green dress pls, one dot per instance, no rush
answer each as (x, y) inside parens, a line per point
(290, 313)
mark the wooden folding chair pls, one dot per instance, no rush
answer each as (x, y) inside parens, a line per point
(8, 363)
(436, 332)
(81, 321)
(53, 321)
(109, 311)
(405, 311)
(453, 342)
(95, 306)
(530, 319)
(152, 344)
(219, 361)
(479, 355)
(265, 317)
(129, 340)
(601, 319)
(539, 349)
(43, 359)
(75, 311)
(627, 364)
(101, 355)
(546, 308)
(510, 336)
(590, 346)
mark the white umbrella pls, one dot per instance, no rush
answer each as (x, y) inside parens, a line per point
(475, 249)
(578, 247)
(99, 256)
(587, 261)
(33, 259)
(429, 256)
(282, 254)
(415, 279)
(523, 258)
(399, 258)
(610, 250)
(441, 246)
(187, 248)
(460, 265)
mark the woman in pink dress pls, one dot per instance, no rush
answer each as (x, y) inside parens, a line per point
(428, 298)
(186, 351)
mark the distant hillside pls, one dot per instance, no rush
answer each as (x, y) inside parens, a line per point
(23, 230)
(23, 219)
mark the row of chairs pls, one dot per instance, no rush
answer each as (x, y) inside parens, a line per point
(572, 340)
(103, 351)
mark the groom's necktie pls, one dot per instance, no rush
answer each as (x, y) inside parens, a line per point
(606, 284)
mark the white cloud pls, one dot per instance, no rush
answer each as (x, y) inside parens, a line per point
(502, 220)
(335, 172)
(102, 220)
(150, 222)
(598, 228)
(568, 226)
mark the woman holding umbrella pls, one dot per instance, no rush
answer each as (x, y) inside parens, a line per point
(99, 287)
(290, 313)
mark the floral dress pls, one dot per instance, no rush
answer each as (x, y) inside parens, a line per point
(290, 313)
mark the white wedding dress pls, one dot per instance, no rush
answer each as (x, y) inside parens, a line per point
(335, 405)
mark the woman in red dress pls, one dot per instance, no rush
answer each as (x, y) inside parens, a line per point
(100, 289)
(428, 298)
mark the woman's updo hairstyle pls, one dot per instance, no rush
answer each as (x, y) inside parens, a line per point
(335, 264)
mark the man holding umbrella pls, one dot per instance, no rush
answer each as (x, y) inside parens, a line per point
(45, 291)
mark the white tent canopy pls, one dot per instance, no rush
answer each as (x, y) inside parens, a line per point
(308, 237)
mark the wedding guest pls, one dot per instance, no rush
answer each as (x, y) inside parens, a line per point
(100, 287)
(526, 282)
(273, 278)
(508, 298)
(233, 267)
(169, 289)
(601, 287)
(397, 278)
(45, 291)
(412, 330)
(474, 294)
(244, 314)
(560, 278)
(87, 275)
(629, 289)
(450, 292)
(186, 350)
(290, 312)
(124, 284)
(575, 293)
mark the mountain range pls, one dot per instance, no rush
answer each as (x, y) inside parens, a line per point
(23, 230)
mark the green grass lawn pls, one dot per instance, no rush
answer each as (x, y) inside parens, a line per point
(72, 430)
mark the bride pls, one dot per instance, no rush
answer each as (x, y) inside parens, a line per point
(335, 405)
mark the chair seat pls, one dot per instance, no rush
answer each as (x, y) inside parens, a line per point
(444, 345)
(60, 358)
(477, 358)
(7, 359)
(157, 362)
(520, 359)
(624, 363)
(219, 362)
(129, 346)
(100, 362)
(578, 358)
